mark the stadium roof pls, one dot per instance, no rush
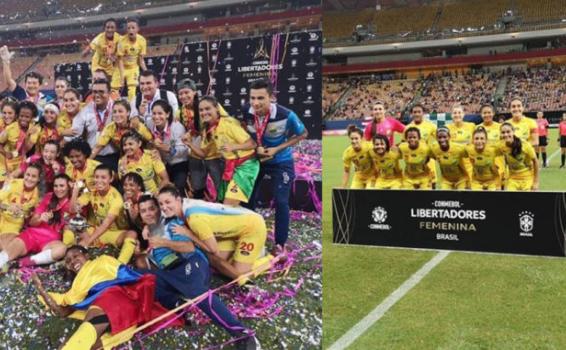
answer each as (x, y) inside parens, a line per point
(154, 11)
(441, 43)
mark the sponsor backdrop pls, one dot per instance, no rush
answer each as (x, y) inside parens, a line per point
(506, 222)
(225, 68)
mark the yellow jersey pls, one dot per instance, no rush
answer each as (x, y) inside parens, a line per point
(104, 205)
(450, 161)
(427, 130)
(363, 164)
(104, 51)
(483, 163)
(524, 127)
(462, 134)
(13, 193)
(147, 167)
(103, 268)
(131, 51)
(228, 131)
(416, 159)
(13, 137)
(387, 165)
(493, 133)
(112, 133)
(522, 165)
(85, 175)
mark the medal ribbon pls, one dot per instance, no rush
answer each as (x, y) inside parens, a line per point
(260, 128)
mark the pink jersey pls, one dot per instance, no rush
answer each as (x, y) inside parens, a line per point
(562, 128)
(542, 127)
(387, 127)
(62, 208)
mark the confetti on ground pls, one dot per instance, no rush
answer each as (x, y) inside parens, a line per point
(284, 306)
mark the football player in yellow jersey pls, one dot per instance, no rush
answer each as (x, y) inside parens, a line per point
(8, 114)
(136, 160)
(358, 154)
(386, 162)
(71, 107)
(483, 156)
(416, 154)
(17, 199)
(19, 137)
(108, 226)
(524, 128)
(428, 134)
(79, 167)
(461, 131)
(450, 156)
(237, 148)
(132, 49)
(493, 132)
(121, 123)
(234, 235)
(521, 159)
(104, 46)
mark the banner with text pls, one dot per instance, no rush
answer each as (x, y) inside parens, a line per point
(506, 222)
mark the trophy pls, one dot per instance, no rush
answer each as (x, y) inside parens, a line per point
(78, 224)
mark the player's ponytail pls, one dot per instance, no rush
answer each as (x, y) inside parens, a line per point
(516, 146)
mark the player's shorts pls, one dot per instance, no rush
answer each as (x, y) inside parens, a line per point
(9, 224)
(69, 238)
(454, 185)
(131, 76)
(35, 238)
(519, 183)
(109, 237)
(492, 185)
(248, 247)
(235, 192)
(417, 183)
(394, 183)
(361, 181)
(542, 141)
(562, 141)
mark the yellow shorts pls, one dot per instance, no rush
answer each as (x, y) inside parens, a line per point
(248, 247)
(9, 224)
(417, 183)
(519, 184)
(490, 185)
(131, 76)
(360, 181)
(388, 184)
(69, 238)
(454, 185)
(233, 191)
(109, 237)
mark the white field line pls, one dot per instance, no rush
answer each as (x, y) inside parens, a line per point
(353, 333)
